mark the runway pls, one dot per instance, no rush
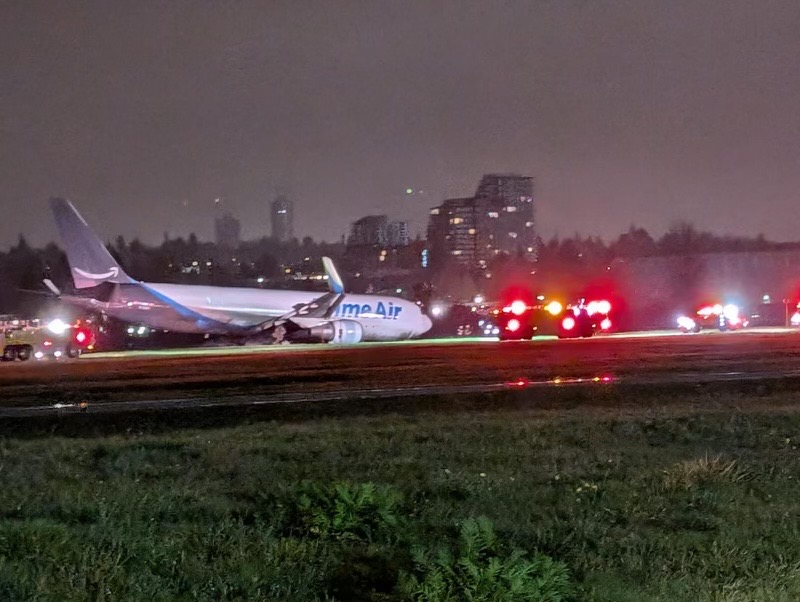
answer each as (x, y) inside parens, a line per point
(518, 387)
(248, 349)
(292, 374)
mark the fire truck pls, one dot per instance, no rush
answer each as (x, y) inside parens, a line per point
(519, 320)
(717, 316)
(56, 340)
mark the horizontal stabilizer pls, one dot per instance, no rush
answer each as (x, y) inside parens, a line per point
(51, 287)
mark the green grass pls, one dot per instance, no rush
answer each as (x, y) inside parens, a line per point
(582, 505)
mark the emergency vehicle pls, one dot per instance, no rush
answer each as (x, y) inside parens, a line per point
(795, 319)
(519, 320)
(55, 340)
(717, 316)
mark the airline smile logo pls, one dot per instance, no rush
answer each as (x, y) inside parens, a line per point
(111, 273)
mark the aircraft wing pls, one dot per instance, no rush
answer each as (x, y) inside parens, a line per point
(321, 308)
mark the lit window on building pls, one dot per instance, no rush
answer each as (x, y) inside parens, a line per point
(435, 211)
(511, 209)
(529, 224)
(494, 214)
(456, 220)
(471, 230)
(512, 234)
(456, 251)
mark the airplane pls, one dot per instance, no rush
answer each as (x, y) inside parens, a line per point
(239, 314)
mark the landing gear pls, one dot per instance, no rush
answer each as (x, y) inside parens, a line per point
(17, 352)
(279, 335)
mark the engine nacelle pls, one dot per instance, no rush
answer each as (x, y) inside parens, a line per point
(338, 332)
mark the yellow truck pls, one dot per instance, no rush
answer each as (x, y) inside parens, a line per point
(56, 340)
(19, 343)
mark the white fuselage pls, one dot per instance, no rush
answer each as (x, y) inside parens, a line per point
(382, 318)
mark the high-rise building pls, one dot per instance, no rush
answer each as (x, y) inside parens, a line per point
(282, 219)
(227, 231)
(511, 213)
(377, 230)
(374, 241)
(458, 230)
(397, 234)
(497, 220)
(369, 230)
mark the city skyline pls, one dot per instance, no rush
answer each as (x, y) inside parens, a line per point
(624, 113)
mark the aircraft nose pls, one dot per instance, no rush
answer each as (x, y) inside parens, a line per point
(426, 324)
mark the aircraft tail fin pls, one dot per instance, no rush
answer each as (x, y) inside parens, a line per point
(90, 262)
(335, 282)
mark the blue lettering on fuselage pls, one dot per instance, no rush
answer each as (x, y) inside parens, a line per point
(384, 310)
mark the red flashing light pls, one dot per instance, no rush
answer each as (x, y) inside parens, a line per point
(568, 323)
(82, 336)
(513, 325)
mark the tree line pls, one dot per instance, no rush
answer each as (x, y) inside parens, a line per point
(189, 260)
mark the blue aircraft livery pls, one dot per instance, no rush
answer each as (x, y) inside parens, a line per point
(386, 311)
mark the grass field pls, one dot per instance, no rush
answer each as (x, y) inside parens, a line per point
(625, 504)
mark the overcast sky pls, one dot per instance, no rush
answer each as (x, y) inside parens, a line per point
(638, 111)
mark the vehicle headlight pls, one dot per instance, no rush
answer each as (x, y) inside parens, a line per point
(57, 326)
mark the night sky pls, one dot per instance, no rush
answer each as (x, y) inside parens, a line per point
(643, 112)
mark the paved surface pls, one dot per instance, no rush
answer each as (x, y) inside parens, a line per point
(214, 376)
(318, 396)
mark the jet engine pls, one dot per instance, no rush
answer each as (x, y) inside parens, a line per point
(338, 332)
